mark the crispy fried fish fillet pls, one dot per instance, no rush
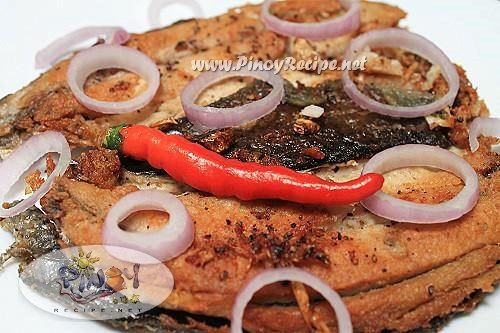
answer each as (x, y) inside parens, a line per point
(48, 104)
(392, 276)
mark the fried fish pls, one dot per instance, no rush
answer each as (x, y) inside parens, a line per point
(393, 277)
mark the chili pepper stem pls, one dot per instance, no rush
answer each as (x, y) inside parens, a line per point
(113, 139)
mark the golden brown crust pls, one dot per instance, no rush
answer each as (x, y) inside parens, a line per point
(48, 104)
(400, 307)
(358, 255)
(223, 37)
(100, 167)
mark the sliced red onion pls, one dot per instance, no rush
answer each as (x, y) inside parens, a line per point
(411, 42)
(156, 7)
(163, 244)
(483, 126)
(320, 30)
(289, 274)
(112, 56)
(386, 206)
(20, 161)
(207, 117)
(62, 46)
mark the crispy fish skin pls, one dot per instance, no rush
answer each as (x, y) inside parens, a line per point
(356, 253)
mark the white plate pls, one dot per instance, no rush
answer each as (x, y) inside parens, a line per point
(466, 30)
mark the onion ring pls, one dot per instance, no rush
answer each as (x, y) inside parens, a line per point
(112, 56)
(216, 118)
(314, 31)
(14, 166)
(163, 244)
(292, 274)
(388, 207)
(156, 6)
(393, 37)
(58, 48)
(483, 126)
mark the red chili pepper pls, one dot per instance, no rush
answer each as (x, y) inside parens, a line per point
(207, 171)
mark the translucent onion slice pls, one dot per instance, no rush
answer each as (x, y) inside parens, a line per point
(289, 274)
(414, 43)
(62, 46)
(157, 6)
(386, 206)
(20, 161)
(483, 126)
(112, 56)
(314, 31)
(216, 118)
(163, 244)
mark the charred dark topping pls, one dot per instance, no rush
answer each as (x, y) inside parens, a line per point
(251, 93)
(291, 248)
(284, 137)
(139, 167)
